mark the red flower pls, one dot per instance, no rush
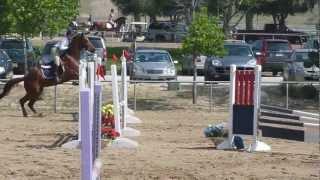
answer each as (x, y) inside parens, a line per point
(110, 133)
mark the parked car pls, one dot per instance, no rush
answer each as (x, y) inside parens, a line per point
(5, 65)
(271, 31)
(14, 47)
(166, 31)
(303, 65)
(237, 53)
(100, 46)
(187, 63)
(153, 64)
(272, 54)
(134, 31)
(312, 43)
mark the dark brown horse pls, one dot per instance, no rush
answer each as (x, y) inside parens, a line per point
(102, 25)
(34, 80)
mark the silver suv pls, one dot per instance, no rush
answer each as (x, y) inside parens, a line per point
(237, 53)
(303, 65)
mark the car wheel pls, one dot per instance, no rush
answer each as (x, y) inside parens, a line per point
(9, 75)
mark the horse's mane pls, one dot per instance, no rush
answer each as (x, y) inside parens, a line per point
(73, 38)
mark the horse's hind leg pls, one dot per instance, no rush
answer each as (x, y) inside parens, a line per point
(31, 105)
(22, 102)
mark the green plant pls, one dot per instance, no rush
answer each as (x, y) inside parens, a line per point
(204, 37)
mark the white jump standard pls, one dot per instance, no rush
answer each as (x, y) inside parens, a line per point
(244, 108)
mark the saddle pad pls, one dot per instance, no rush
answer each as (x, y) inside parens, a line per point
(48, 72)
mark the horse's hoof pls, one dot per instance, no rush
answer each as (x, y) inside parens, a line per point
(39, 115)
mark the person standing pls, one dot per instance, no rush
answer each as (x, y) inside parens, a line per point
(111, 18)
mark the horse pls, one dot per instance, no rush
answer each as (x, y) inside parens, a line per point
(34, 80)
(107, 26)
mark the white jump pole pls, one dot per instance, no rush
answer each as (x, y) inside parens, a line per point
(119, 142)
(257, 145)
(128, 114)
(125, 117)
(115, 98)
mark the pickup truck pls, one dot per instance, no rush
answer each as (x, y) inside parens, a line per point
(272, 54)
(14, 47)
(271, 31)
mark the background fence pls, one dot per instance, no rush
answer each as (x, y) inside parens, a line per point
(171, 95)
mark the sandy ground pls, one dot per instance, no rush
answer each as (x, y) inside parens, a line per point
(172, 145)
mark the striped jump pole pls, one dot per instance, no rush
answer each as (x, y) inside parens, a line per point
(244, 107)
(283, 123)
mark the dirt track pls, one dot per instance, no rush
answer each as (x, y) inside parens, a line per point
(172, 145)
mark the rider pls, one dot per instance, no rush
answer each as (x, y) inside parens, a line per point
(62, 47)
(111, 17)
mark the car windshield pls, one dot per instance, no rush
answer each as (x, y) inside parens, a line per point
(12, 45)
(96, 42)
(278, 46)
(307, 57)
(234, 50)
(181, 28)
(152, 57)
(2, 54)
(302, 56)
(47, 48)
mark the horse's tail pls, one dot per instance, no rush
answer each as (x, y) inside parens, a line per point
(8, 86)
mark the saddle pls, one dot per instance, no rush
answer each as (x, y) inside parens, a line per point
(52, 69)
(49, 71)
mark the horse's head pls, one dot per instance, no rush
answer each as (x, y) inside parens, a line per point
(82, 42)
(121, 21)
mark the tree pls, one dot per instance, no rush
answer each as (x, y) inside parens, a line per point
(204, 38)
(29, 17)
(231, 10)
(6, 17)
(152, 8)
(280, 9)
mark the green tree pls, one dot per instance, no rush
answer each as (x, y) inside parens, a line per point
(204, 38)
(6, 18)
(280, 9)
(152, 8)
(231, 11)
(29, 17)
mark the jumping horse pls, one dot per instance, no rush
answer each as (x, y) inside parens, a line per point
(35, 81)
(107, 26)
